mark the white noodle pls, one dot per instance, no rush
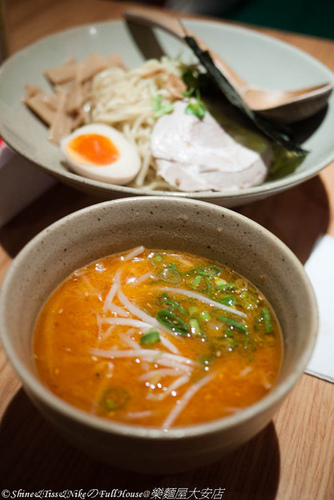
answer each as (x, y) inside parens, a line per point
(123, 99)
(205, 299)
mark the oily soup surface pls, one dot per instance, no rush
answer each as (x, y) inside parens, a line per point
(158, 338)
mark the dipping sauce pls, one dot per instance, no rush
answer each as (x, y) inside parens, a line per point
(158, 338)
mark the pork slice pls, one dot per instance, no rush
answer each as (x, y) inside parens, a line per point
(198, 155)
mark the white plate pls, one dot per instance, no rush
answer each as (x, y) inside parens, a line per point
(259, 59)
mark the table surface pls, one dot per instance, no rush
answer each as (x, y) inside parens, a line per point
(293, 458)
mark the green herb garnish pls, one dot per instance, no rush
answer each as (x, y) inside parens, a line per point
(197, 108)
(188, 93)
(159, 107)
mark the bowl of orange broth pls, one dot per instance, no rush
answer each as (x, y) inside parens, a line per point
(157, 334)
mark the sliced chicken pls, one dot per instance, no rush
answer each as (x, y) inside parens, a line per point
(198, 155)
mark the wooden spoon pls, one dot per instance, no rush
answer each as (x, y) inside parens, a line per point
(281, 106)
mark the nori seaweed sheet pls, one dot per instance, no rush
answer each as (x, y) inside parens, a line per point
(274, 133)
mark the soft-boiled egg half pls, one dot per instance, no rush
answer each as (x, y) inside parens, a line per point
(102, 153)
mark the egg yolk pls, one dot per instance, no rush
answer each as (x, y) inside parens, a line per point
(95, 148)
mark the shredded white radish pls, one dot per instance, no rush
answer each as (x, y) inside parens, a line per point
(168, 344)
(118, 310)
(129, 341)
(245, 371)
(160, 372)
(141, 314)
(171, 363)
(174, 385)
(138, 414)
(128, 322)
(134, 253)
(112, 292)
(203, 298)
(182, 403)
(147, 354)
(107, 333)
(100, 328)
(136, 311)
(143, 278)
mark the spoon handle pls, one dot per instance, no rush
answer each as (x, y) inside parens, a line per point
(146, 17)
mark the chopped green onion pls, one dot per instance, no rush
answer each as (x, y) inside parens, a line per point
(114, 398)
(267, 320)
(204, 360)
(207, 270)
(205, 316)
(171, 321)
(193, 310)
(208, 285)
(170, 274)
(194, 326)
(220, 282)
(228, 300)
(157, 259)
(172, 303)
(225, 286)
(150, 338)
(229, 343)
(196, 281)
(160, 108)
(234, 323)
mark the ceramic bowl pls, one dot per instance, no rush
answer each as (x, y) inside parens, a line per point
(259, 59)
(164, 223)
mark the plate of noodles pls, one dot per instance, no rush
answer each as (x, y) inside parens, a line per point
(68, 96)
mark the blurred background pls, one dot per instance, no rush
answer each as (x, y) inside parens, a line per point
(310, 17)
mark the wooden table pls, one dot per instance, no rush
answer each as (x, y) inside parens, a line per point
(293, 458)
